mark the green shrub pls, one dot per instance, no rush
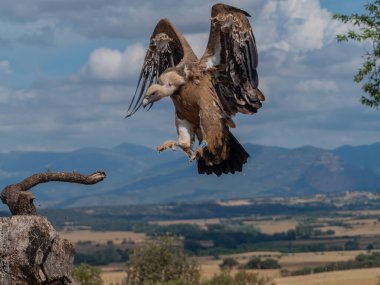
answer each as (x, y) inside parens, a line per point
(351, 245)
(104, 255)
(223, 278)
(361, 257)
(302, 271)
(252, 263)
(361, 261)
(85, 274)
(162, 261)
(270, 263)
(258, 263)
(241, 278)
(228, 263)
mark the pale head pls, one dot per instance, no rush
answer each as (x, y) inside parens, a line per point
(169, 81)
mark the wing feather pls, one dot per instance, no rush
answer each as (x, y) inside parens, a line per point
(231, 55)
(167, 48)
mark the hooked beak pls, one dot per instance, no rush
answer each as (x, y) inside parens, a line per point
(145, 101)
(151, 98)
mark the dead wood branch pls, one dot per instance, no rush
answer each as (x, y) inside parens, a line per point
(20, 202)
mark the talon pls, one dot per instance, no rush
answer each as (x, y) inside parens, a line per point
(168, 144)
(197, 153)
(187, 151)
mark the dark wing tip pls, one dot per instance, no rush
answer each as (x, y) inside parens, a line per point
(128, 115)
(133, 111)
(218, 8)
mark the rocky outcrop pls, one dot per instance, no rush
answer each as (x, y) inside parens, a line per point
(31, 252)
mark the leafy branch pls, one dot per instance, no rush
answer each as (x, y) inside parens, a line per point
(368, 30)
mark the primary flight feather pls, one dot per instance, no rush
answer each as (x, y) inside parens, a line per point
(206, 93)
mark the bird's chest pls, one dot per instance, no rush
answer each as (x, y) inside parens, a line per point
(186, 104)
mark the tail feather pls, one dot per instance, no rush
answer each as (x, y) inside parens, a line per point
(234, 163)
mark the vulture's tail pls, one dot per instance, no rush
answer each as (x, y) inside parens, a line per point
(237, 157)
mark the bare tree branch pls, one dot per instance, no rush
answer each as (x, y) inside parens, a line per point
(20, 202)
(72, 177)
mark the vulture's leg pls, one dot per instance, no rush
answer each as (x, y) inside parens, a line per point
(198, 153)
(167, 144)
(185, 133)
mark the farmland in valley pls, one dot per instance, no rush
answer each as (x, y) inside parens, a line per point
(210, 267)
(306, 232)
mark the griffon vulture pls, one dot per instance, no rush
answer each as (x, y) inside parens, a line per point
(206, 93)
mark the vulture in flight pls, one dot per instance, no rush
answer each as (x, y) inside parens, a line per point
(206, 92)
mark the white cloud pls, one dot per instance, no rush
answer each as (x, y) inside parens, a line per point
(14, 97)
(295, 25)
(5, 67)
(305, 24)
(4, 95)
(66, 116)
(316, 85)
(110, 64)
(113, 94)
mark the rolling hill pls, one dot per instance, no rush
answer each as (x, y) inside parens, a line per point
(137, 174)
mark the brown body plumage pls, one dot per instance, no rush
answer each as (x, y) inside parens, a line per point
(206, 93)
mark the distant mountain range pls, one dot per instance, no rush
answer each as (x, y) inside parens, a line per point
(137, 174)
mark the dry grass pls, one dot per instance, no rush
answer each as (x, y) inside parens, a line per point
(210, 267)
(348, 277)
(361, 227)
(113, 273)
(116, 237)
(274, 226)
(269, 226)
(199, 222)
(113, 277)
(313, 259)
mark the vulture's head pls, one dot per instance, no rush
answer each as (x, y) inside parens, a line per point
(170, 82)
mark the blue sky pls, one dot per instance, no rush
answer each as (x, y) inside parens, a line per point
(68, 69)
(344, 6)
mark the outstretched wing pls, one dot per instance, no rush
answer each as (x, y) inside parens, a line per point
(231, 55)
(167, 48)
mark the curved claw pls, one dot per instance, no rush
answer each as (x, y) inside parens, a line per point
(168, 144)
(198, 153)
